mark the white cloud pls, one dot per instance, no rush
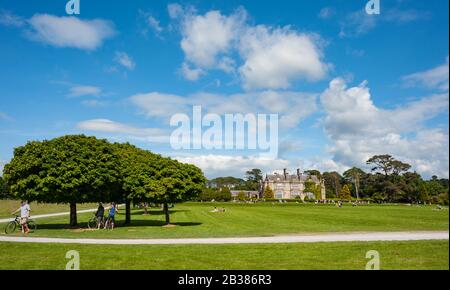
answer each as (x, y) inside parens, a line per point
(124, 60)
(82, 90)
(436, 78)
(275, 57)
(108, 126)
(191, 74)
(265, 57)
(69, 31)
(359, 129)
(9, 19)
(207, 37)
(224, 165)
(292, 107)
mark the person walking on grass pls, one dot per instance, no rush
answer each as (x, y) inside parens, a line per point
(24, 215)
(112, 210)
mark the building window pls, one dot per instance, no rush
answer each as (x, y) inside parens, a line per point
(279, 194)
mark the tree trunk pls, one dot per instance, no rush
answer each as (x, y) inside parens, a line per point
(73, 214)
(166, 213)
(127, 212)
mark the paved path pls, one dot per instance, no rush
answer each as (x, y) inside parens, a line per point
(326, 237)
(54, 214)
(50, 215)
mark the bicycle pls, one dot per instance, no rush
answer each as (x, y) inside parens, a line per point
(12, 225)
(96, 223)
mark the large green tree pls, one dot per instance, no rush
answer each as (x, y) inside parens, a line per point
(138, 176)
(70, 169)
(354, 175)
(178, 181)
(253, 178)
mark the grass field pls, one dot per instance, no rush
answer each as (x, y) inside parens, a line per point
(350, 255)
(197, 220)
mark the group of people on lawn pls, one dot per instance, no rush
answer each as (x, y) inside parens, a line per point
(25, 210)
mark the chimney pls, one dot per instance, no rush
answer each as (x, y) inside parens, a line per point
(285, 173)
(298, 172)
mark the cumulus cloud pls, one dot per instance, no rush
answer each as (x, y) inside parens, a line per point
(359, 129)
(205, 38)
(275, 57)
(69, 31)
(436, 78)
(108, 126)
(292, 107)
(265, 57)
(124, 60)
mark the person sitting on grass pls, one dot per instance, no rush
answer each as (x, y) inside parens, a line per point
(113, 209)
(99, 214)
(24, 215)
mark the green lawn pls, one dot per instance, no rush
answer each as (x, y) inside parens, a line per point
(8, 206)
(197, 220)
(350, 255)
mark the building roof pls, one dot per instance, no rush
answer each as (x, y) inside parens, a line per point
(277, 177)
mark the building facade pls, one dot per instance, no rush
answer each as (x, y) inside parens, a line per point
(288, 186)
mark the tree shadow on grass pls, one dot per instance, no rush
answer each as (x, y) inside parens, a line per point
(119, 224)
(155, 212)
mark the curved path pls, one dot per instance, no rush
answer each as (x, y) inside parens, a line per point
(313, 238)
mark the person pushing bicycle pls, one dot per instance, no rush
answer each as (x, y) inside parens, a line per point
(24, 215)
(99, 214)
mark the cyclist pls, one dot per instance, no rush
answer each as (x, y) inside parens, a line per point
(113, 209)
(99, 214)
(24, 215)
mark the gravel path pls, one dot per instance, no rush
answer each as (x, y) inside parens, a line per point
(313, 238)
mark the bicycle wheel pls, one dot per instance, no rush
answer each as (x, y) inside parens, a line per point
(32, 226)
(10, 228)
(92, 223)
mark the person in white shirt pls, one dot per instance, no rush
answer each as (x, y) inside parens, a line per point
(24, 215)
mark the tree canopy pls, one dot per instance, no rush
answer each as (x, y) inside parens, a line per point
(77, 169)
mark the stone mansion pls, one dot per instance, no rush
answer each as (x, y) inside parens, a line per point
(287, 186)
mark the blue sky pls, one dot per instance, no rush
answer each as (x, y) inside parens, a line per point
(346, 85)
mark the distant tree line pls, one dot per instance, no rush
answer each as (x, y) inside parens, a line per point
(388, 181)
(79, 169)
